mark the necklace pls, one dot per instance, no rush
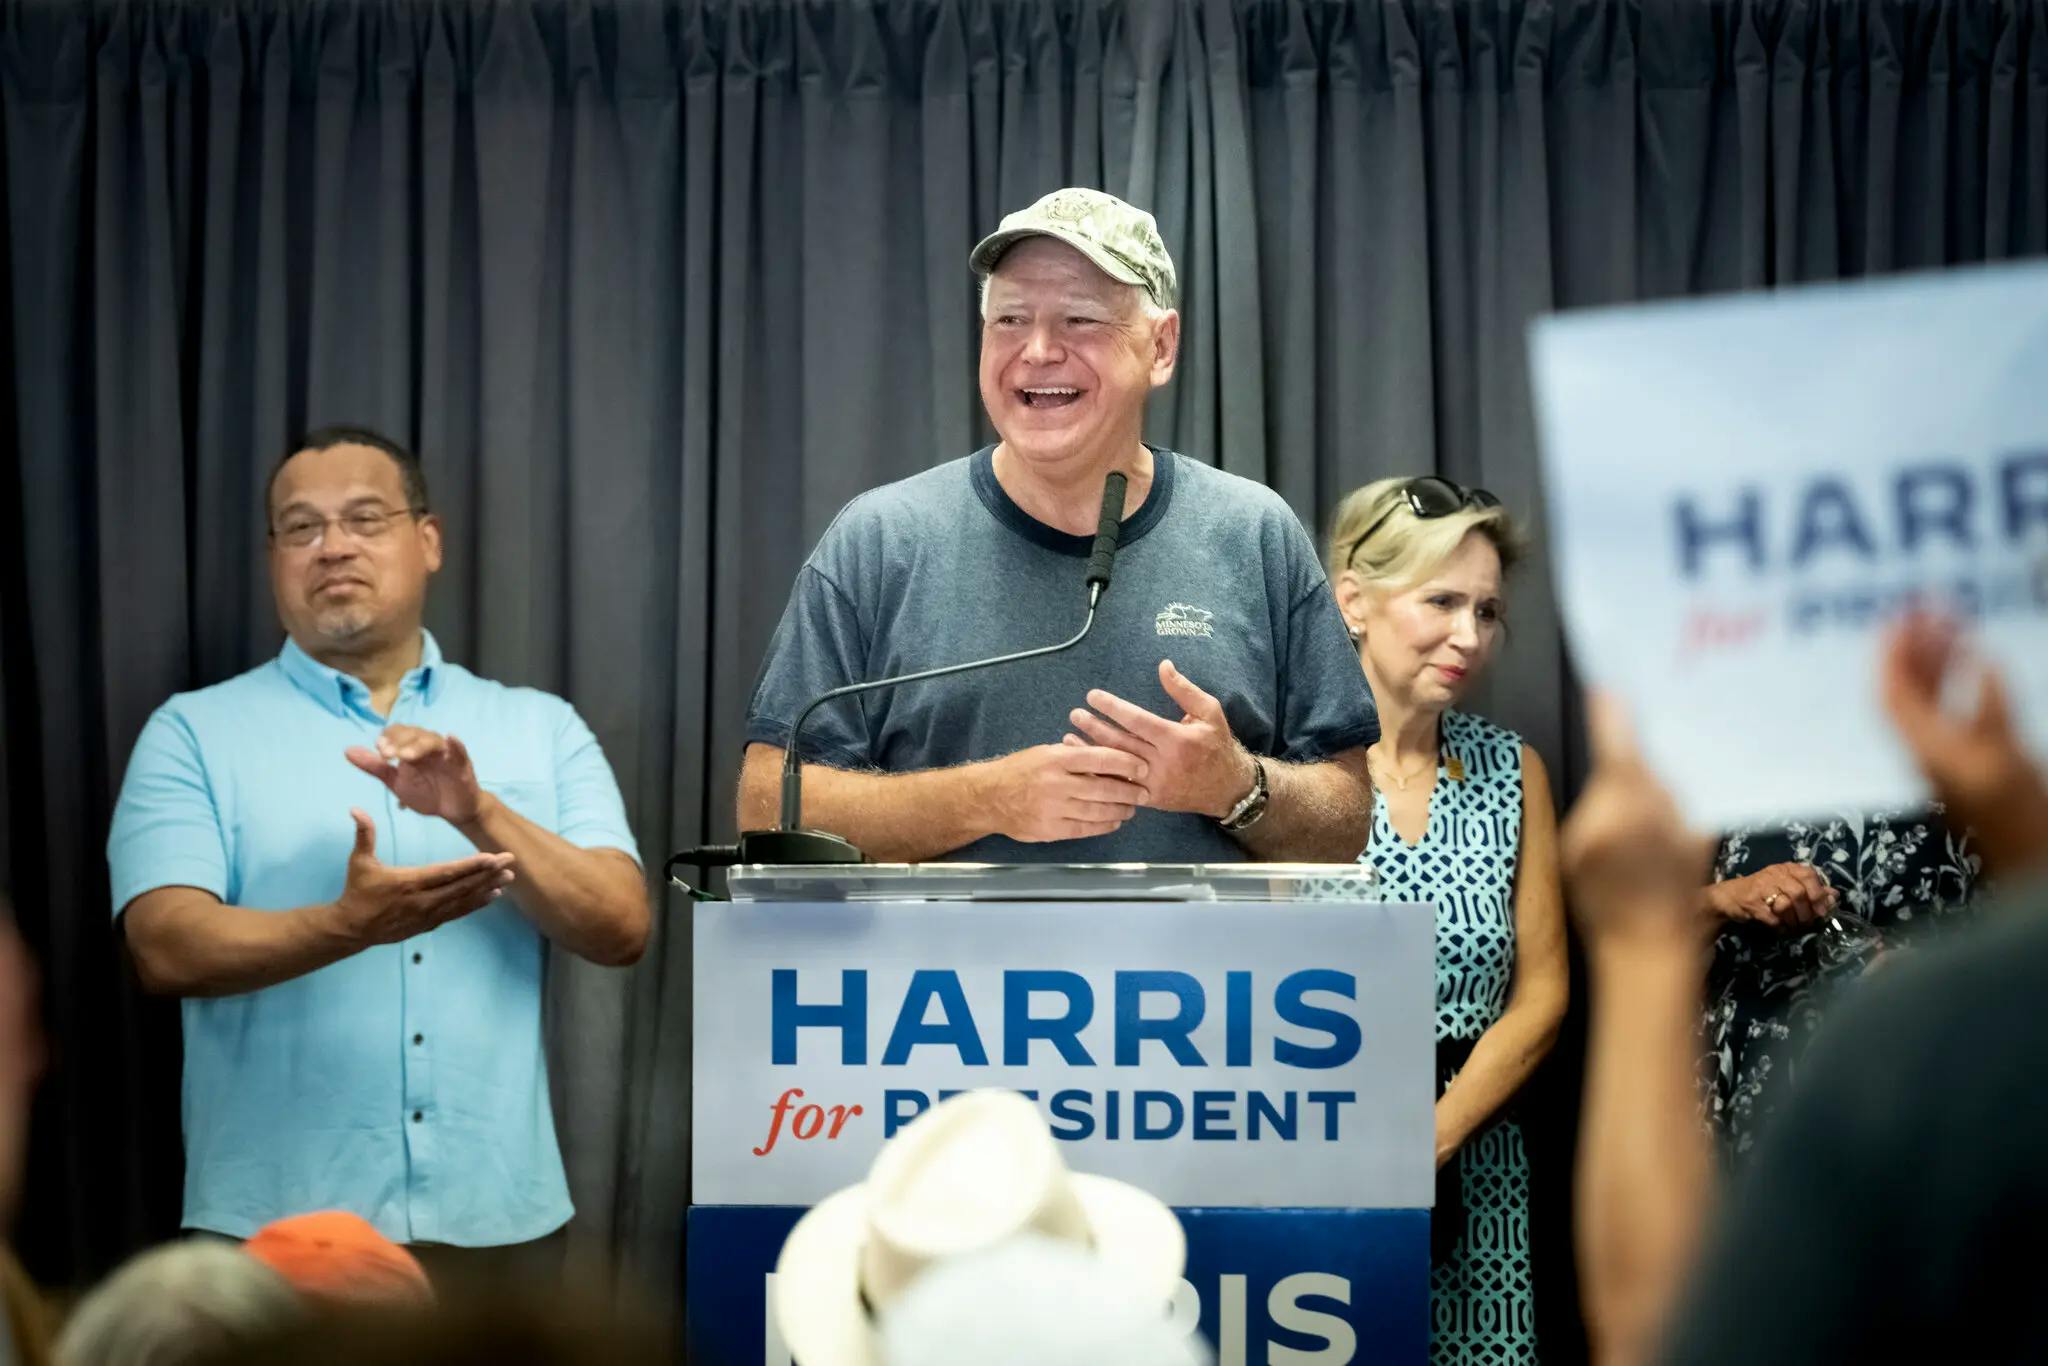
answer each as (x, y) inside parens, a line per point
(1386, 774)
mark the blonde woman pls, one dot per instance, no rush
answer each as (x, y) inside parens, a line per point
(1462, 817)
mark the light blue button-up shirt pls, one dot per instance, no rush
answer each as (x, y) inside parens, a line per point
(406, 1083)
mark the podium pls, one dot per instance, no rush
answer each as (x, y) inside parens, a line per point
(1252, 1043)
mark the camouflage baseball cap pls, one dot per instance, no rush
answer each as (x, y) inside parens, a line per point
(1122, 241)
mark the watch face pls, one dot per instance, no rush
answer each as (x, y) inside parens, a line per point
(1249, 814)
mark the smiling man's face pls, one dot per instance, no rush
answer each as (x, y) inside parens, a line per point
(361, 581)
(1068, 356)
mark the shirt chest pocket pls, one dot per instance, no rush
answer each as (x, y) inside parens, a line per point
(533, 798)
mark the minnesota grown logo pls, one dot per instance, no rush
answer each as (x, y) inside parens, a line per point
(1181, 619)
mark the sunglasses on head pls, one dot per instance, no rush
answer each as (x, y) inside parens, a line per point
(1428, 497)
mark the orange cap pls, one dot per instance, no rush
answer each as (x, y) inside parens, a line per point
(337, 1256)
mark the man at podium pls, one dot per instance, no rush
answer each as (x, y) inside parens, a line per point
(1215, 712)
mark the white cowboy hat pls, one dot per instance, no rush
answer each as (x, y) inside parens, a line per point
(967, 1175)
(1033, 1302)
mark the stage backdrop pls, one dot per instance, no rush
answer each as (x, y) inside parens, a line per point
(656, 287)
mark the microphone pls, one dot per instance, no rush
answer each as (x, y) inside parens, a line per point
(1109, 529)
(789, 842)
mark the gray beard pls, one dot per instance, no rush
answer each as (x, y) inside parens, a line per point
(342, 624)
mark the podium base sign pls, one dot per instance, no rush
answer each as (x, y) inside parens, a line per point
(1311, 1287)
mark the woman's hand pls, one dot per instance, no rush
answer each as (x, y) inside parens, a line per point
(1785, 896)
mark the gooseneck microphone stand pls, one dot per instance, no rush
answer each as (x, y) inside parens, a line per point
(789, 842)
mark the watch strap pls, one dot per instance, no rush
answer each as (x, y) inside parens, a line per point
(1253, 804)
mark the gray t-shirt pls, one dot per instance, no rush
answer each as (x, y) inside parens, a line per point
(1214, 573)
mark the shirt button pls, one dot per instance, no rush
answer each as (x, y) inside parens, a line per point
(416, 1116)
(419, 1038)
(415, 958)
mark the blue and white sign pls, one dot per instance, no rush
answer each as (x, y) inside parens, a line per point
(1309, 1287)
(1743, 491)
(1212, 1053)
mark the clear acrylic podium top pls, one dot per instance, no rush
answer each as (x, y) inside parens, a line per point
(1054, 882)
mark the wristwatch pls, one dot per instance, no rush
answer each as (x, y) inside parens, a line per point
(1246, 813)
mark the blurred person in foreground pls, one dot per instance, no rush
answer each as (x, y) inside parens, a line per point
(561, 1328)
(970, 1241)
(335, 1257)
(24, 1316)
(177, 1304)
(356, 904)
(1893, 1209)
(1462, 817)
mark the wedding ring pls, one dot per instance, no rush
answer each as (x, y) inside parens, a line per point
(1771, 901)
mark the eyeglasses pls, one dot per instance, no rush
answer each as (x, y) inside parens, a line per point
(362, 524)
(1427, 497)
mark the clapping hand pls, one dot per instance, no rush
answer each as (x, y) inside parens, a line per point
(1193, 764)
(381, 904)
(1065, 792)
(428, 773)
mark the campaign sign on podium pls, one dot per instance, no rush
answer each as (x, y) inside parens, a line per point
(1265, 1066)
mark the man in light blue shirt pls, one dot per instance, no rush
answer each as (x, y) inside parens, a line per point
(353, 901)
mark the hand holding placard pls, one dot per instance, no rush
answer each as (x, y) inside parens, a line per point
(1972, 755)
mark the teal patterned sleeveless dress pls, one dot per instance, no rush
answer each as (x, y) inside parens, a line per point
(1482, 1303)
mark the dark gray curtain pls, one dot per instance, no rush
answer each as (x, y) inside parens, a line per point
(656, 287)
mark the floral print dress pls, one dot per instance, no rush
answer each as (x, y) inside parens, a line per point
(1903, 873)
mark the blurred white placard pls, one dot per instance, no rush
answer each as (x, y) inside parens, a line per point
(1742, 492)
